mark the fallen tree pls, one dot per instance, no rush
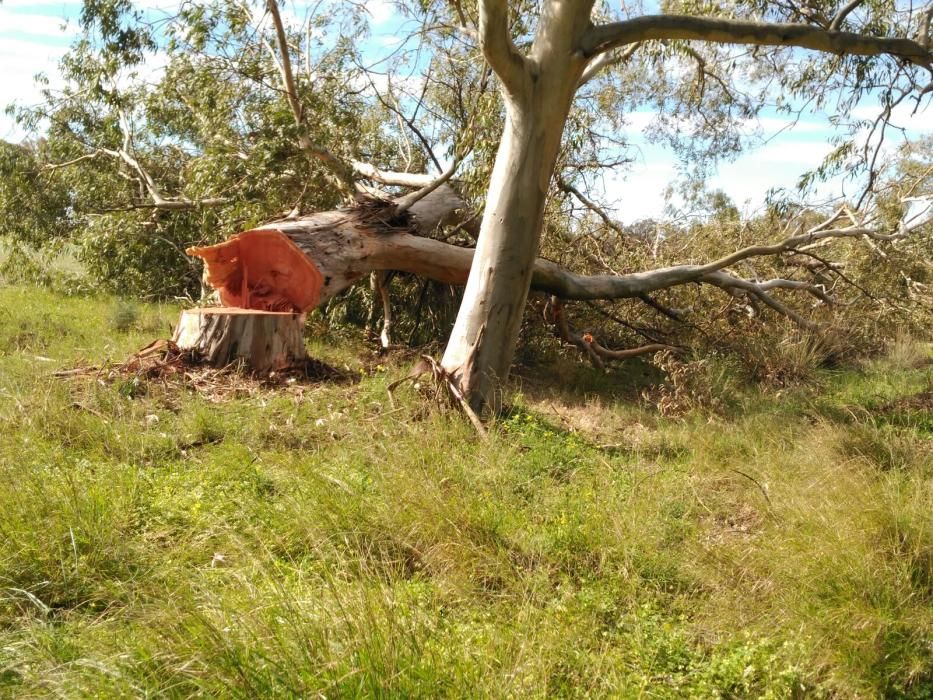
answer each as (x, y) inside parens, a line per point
(296, 265)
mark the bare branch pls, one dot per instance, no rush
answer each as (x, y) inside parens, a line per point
(80, 159)
(341, 173)
(380, 285)
(589, 345)
(673, 314)
(390, 177)
(760, 291)
(147, 183)
(592, 206)
(606, 37)
(406, 202)
(628, 353)
(464, 26)
(604, 60)
(408, 121)
(284, 62)
(843, 13)
(169, 205)
(549, 276)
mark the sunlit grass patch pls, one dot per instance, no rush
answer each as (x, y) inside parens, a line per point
(328, 540)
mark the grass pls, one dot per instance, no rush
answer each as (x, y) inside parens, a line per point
(318, 540)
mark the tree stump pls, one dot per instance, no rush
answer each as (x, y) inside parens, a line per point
(262, 340)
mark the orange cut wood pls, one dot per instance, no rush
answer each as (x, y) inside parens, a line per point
(263, 270)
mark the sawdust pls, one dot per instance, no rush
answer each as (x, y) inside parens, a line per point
(163, 361)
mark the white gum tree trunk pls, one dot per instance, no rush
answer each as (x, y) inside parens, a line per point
(538, 88)
(481, 346)
(538, 92)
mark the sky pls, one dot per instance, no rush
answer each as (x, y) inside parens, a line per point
(34, 34)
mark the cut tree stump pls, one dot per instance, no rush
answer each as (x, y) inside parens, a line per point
(263, 340)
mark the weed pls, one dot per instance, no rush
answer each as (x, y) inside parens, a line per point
(125, 316)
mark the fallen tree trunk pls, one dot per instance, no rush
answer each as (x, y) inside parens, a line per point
(343, 246)
(298, 264)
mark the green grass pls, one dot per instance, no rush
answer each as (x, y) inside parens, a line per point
(317, 540)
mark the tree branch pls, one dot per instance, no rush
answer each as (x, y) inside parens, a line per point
(406, 202)
(843, 13)
(604, 60)
(550, 277)
(502, 55)
(760, 291)
(592, 206)
(74, 161)
(463, 25)
(341, 173)
(605, 37)
(589, 345)
(391, 177)
(147, 183)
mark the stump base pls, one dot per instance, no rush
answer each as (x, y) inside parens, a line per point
(262, 340)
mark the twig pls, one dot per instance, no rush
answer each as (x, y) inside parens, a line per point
(761, 488)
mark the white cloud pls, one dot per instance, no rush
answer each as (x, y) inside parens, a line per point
(639, 193)
(381, 11)
(779, 164)
(902, 115)
(19, 85)
(39, 25)
(639, 121)
(20, 60)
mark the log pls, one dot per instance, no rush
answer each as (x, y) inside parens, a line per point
(262, 340)
(300, 263)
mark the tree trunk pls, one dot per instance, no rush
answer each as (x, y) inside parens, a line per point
(297, 264)
(262, 340)
(482, 345)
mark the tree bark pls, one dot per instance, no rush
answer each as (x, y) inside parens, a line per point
(538, 92)
(481, 346)
(262, 340)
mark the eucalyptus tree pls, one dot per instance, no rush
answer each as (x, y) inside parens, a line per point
(545, 58)
(864, 45)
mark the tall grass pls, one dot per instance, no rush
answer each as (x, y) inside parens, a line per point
(317, 541)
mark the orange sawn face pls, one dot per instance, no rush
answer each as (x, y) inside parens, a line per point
(262, 269)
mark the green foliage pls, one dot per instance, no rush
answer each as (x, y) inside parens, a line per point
(34, 206)
(314, 540)
(213, 132)
(212, 126)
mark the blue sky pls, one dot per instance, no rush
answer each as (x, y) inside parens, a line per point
(35, 33)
